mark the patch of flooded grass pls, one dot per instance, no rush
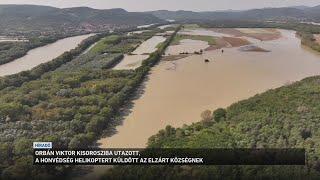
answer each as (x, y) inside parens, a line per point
(191, 26)
(211, 40)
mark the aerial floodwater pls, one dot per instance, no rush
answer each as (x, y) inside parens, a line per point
(134, 60)
(177, 91)
(145, 26)
(12, 39)
(41, 55)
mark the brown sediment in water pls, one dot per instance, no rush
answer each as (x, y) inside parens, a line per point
(224, 38)
(134, 65)
(187, 47)
(265, 37)
(134, 59)
(236, 42)
(264, 34)
(230, 31)
(174, 57)
(228, 42)
(253, 49)
(220, 43)
(177, 92)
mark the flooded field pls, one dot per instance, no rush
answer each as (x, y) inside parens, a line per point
(145, 26)
(167, 26)
(313, 23)
(187, 45)
(135, 59)
(202, 32)
(41, 55)
(12, 39)
(176, 92)
(137, 32)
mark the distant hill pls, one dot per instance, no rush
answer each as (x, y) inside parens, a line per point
(299, 13)
(314, 12)
(24, 18)
(32, 19)
(300, 7)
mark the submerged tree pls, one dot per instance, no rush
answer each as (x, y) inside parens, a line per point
(206, 116)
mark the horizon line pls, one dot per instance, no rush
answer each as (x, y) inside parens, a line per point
(225, 10)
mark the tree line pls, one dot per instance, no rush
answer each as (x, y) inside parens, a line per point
(70, 106)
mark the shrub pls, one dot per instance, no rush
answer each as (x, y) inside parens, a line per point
(219, 114)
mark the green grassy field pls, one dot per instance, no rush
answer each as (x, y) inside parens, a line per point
(191, 26)
(211, 40)
(104, 43)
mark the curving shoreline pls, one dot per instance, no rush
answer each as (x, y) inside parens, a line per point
(233, 76)
(41, 55)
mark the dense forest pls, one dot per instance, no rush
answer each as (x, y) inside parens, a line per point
(69, 101)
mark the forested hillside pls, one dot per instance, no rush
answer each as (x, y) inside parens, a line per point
(41, 25)
(283, 14)
(44, 20)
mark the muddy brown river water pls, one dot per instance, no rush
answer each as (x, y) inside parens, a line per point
(177, 96)
(176, 92)
(41, 55)
(140, 54)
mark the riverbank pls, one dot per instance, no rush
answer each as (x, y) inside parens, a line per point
(229, 77)
(17, 79)
(41, 55)
(17, 49)
(195, 41)
(304, 31)
(135, 58)
(282, 117)
(142, 74)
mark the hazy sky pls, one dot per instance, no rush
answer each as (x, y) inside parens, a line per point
(144, 5)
